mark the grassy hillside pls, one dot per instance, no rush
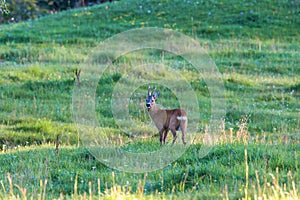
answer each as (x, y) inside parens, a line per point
(256, 47)
(258, 60)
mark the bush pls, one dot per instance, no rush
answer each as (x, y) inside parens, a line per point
(20, 10)
(3, 7)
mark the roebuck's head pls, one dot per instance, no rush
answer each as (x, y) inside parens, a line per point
(151, 97)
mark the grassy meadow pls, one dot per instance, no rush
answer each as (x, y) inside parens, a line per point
(254, 44)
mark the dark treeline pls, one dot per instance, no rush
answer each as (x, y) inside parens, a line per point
(20, 10)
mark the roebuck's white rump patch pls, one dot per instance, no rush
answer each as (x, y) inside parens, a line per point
(181, 118)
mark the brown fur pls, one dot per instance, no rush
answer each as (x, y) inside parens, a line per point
(166, 120)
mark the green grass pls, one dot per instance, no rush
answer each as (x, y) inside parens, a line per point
(189, 173)
(256, 47)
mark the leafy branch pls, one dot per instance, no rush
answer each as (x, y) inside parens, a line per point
(3, 7)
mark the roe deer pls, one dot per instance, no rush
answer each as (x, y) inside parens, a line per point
(166, 120)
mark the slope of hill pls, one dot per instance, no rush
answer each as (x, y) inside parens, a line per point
(202, 19)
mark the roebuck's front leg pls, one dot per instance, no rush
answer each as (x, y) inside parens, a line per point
(161, 136)
(165, 135)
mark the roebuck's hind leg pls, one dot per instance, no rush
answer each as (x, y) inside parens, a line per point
(183, 126)
(174, 135)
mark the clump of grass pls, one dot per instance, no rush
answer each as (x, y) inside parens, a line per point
(115, 192)
(269, 190)
(273, 189)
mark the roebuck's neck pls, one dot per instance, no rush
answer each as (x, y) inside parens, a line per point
(154, 111)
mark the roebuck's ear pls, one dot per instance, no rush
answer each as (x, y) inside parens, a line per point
(153, 91)
(156, 94)
(149, 92)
